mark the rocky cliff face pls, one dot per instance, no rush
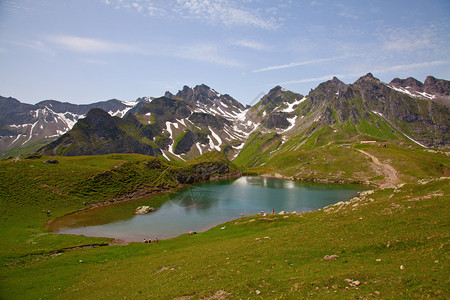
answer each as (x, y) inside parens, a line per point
(203, 94)
(433, 86)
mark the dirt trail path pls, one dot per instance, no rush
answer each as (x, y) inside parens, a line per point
(391, 179)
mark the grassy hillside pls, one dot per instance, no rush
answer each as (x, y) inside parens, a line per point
(390, 243)
(29, 188)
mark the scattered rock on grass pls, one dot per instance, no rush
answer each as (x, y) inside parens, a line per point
(330, 257)
(353, 282)
(51, 162)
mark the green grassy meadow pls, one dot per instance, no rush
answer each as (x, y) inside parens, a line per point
(390, 243)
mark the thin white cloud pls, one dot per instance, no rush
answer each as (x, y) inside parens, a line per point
(225, 12)
(13, 5)
(250, 45)
(296, 64)
(89, 45)
(313, 79)
(407, 67)
(230, 13)
(206, 52)
(409, 40)
(396, 68)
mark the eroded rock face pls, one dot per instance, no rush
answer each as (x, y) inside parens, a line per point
(408, 82)
(436, 86)
(277, 120)
(205, 95)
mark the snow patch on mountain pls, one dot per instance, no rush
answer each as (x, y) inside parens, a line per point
(169, 130)
(165, 155)
(415, 94)
(291, 106)
(216, 137)
(292, 121)
(31, 133)
(199, 148)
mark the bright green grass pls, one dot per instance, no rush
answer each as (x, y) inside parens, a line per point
(282, 258)
(29, 188)
(335, 162)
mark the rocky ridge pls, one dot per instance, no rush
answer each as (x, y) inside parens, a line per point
(197, 120)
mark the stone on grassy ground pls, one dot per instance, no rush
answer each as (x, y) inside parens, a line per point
(330, 257)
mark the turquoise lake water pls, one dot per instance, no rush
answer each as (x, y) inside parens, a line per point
(201, 207)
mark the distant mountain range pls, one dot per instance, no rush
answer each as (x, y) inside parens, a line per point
(25, 128)
(197, 120)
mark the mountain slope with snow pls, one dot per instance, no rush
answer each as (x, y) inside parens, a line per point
(199, 119)
(30, 126)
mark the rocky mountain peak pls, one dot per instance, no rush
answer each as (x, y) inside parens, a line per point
(433, 85)
(328, 90)
(168, 94)
(200, 93)
(273, 98)
(409, 82)
(368, 82)
(430, 80)
(336, 81)
(367, 78)
(276, 89)
(9, 100)
(97, 122)
(100, 119)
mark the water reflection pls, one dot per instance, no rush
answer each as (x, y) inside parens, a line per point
(201, 207)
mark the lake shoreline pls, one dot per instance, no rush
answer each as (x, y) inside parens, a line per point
(145, 192)
(256, 203)
(318, 180)
(141, 193)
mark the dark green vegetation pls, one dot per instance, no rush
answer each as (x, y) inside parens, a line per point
(390, 243)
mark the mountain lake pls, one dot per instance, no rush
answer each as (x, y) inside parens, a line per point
(200, 207)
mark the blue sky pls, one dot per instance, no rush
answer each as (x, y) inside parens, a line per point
(83, 51)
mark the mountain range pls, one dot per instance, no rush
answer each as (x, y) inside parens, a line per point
(198, 120)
